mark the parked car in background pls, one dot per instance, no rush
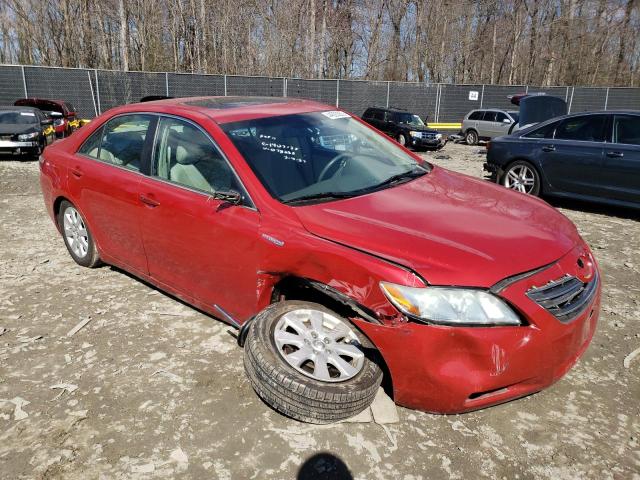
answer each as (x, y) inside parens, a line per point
(535, 108)
(487, 123)
(338, 254)
(587, 156)
(406, 128)
(24, 131)
(65, 123)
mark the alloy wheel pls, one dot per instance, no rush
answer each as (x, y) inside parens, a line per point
(75, 232)
(318, 345)
(520, 178)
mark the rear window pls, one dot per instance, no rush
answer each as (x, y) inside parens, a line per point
(589, 128)
(626, 129)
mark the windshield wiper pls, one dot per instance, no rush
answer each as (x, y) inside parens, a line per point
(320, 196)
(394, 179)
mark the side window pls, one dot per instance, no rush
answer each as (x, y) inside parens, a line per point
(184, 155)
(91, 146)
(377, 115)
(543, 132)
(588, 128)
(119, 142)
(626, 129)
(501, 117)
(477, 115)
(389, 117)
(369, 113)
(489, 116)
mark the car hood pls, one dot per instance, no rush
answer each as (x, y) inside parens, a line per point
(448, 227)
(14, 128)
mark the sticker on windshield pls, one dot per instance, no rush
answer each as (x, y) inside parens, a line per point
(333, 114)
(28, 114)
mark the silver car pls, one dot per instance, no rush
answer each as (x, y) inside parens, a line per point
(487, 123)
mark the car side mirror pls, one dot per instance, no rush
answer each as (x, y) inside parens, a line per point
(228, 196)
(506, 120)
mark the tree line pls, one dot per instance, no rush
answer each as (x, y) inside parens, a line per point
(536, 42)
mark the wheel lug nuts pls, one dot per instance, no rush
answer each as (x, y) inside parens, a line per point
(314, 334)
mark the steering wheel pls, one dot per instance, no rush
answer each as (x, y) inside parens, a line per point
(331, 163)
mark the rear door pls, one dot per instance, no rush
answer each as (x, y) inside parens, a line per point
(621, 164)
(572, 160)
(486, 125)
(197, 245)
(103, 179)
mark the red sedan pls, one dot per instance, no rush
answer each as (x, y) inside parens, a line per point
(339, 255)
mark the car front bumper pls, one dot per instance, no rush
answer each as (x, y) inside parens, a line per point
(451, 369)
(17, 148)
(427, 142)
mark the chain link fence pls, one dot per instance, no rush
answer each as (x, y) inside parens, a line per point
(95, 91)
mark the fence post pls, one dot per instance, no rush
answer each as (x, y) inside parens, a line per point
(98, 92)
(606, 99)
(284, 86)
(225, 85)
(93, 98)
(566, 95)
(24, 82)
(337, 93)
(526, 89)
(166, 82)
(388, 86)
(438, 100)
(482, 95)
(573, 89)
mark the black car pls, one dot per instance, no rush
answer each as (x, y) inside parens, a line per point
(407, 128)
(588, 156)
(24, 131)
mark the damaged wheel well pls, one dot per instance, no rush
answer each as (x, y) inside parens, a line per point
(297, 288)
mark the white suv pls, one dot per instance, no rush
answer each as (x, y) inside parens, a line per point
(486, 124)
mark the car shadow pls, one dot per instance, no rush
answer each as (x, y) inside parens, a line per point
(324, 466)
(597, 208)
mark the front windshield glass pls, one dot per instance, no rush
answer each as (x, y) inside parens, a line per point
(18, 118)
(410, 119)
(320, 156)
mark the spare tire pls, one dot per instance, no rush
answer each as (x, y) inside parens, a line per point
(308, 363)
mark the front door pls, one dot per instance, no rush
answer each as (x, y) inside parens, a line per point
(196, 245)
(621, 162)
(103, 178)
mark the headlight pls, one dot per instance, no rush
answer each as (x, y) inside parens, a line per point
(438, 136)
(27, 136)
(452, 306)
(414, 134)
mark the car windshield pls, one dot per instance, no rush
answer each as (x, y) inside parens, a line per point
(515, 116)
(410, 119)
(18, 118)
(320, 156)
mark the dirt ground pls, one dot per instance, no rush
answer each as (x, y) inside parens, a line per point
(151, 388)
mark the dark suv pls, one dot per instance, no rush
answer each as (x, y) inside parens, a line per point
(407, 128)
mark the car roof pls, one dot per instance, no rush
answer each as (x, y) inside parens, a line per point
(13, 108)
(230, 108)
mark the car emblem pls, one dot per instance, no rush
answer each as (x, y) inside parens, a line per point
(585, 268)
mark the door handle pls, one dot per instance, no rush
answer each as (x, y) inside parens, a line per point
(150, 202)
(549, 148)
(615, 154)
(76, 172)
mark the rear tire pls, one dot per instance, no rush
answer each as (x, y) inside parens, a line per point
(77, 237)
(471, 137)
(293, 391)
(522, 177)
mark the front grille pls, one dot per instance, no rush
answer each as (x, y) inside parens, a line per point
(565, 298)
(429, 136)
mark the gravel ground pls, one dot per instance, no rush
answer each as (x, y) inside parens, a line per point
(151, 388)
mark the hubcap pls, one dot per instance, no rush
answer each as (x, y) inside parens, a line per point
(401, 140)
(75, 232)
(318, 345)
(520, 178)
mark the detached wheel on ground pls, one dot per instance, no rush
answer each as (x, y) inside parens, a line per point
(471, 137)
(77, 236)
(523, 177)
(306, 362)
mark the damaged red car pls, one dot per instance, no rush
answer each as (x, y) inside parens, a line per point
(342, 258)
